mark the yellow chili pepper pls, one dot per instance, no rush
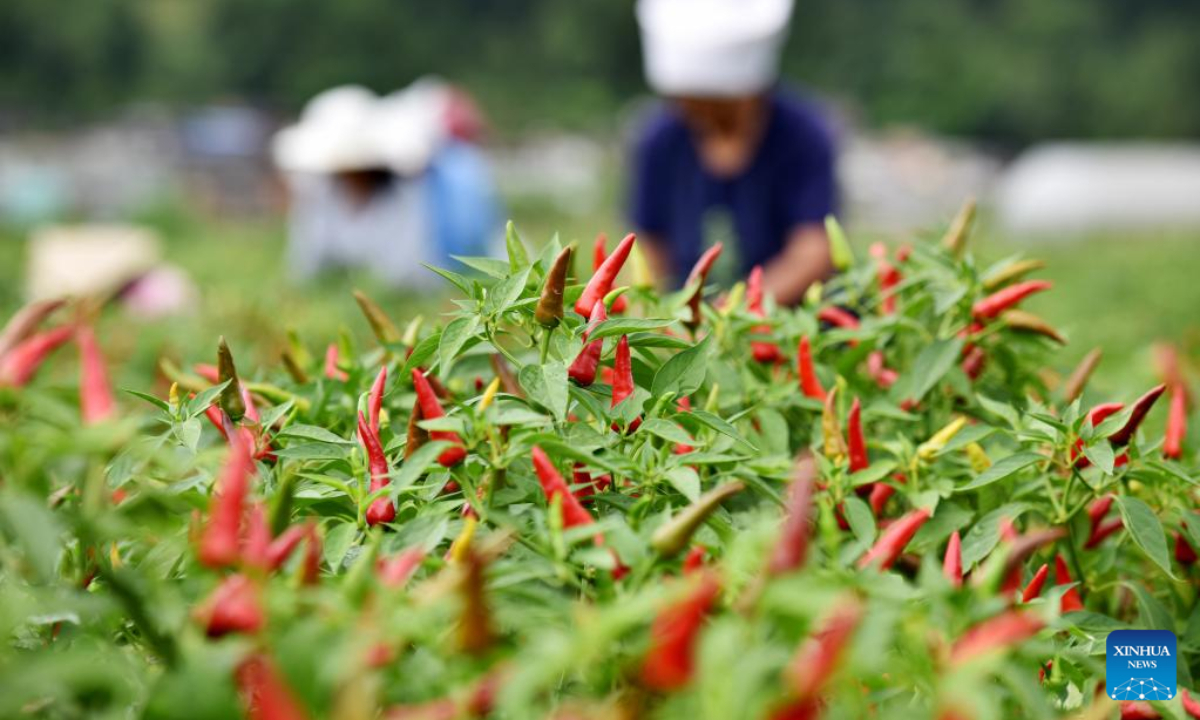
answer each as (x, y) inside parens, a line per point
(978, 457)
(934, 445)
(489, 394)
(831, 429)
(733, 299)
(458, 550)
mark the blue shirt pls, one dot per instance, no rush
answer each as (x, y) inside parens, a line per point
(790, 182)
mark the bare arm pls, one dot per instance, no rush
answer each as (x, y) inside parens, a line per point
(804, 260)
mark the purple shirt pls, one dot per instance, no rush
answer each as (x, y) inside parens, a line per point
(789, 183)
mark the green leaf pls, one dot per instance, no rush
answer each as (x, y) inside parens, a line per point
(36, 531)
(931, 365)
(313, 451)
(721, 426)
(204, 399)
(1153, 614)
(315, 434)
(1101, 455)
(460, 282)
(152, 399)
(874, 473)
(860, 519)
(1000, 409)
(454, 336)
(547, 386)
(981, 539)
(518, 257)
(667, 430)
(421, 354)
(686, 481)
(488, 266)
(502, 295)
(1146, 530)
(616, 326)
(338, 542)
(684, 373)
(416, 465)
(1003, 469)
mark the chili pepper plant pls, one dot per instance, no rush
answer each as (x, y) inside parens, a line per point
(576, 498)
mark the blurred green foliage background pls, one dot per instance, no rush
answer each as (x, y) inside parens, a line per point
(1010, 71)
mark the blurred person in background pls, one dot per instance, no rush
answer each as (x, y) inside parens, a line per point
(387, 183)
(731, 155)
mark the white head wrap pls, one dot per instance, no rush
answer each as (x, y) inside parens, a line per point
(712, 48)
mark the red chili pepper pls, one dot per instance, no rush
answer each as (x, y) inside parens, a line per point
(553, 485)
(1190, 705)
(1102, 531)
(838, 317)
(258, 538)
(1141, 407)
(96, 402)
(19, 365)
(694, 560)
(622, 383)
(375, 399)
(1138, 711)
(583, 368)
(234, 607)
(763, 352)
(1000, 632)
(892, 542)
(952, 565)
(1176, 424)
(809, 384)
(881, 492)
(219, 544)
(1184, 553)
(602, 281)
(395, 572)
(599, 255)
(381, 509)
(1071, 601)
(818, 658)
(332, 371)
(1096, 416)
(310, 568)
(903, 253)
(587, 486)
(265, 692)
(1034, 588)
(1001, 300)
(698, 276)
(282, 547)
(431, 409)
(888, 276)
(884, 377)
(754, 291)
(670, 660)
(791, 549)
(855, 440)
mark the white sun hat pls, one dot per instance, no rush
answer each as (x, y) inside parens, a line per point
(407, 127)
(333, 134)
(88, 260)
(712, 48)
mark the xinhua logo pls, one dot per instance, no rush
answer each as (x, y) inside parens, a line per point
(1140, 665)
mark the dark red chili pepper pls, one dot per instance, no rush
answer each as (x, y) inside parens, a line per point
(1141, 407)
(1102, 531)
(583, 369)
(1190, 705)
(282, 547)
(1034, 588)
(587, 486)
(25, 321)
(553, 485)
(310, 568)
(96, 402)
(219, 543)
(809, 384)
(881, 492)
(622, 382)
(892, 542)
(791, 548)
(952, 564)
(381, 509)
(857, 444)
(475, 627)
(974, 363)
(265, 693)
(1184, 553)
(888, 277)
(1131, 710)
(257, 539)
(818, 658)
(1071, 601)
(395, 571)
(602, 281)
(549, 310)
(698, 276)
(669, 662)
(1097, 510)
(1003, 631)
(763, 352)
(1001, 300)
(234, 607)
(599, 255)
(1176, 424)
(21, 363)
(375, 399)
(431, 409)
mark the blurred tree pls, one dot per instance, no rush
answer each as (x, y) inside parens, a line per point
(1010, 71)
